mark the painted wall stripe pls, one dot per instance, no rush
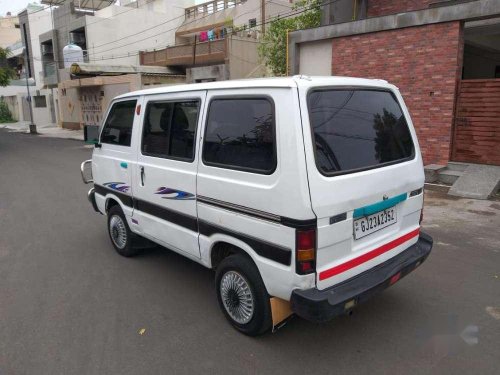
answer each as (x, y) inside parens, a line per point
(367, 256)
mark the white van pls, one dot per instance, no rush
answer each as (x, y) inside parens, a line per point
(304, 194)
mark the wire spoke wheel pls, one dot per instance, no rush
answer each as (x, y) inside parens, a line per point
(237, 297)
(118, 231)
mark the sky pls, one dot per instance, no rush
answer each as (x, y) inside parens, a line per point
(14, 6)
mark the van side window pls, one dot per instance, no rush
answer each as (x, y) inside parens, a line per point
(170, 129)
(240, 134)
(117, 129)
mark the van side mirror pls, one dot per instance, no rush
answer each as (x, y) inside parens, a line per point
(91, 135)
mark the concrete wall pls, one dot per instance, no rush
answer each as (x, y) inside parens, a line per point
(8, 32)
(42, 115)
(376, 8)
(162, 6)
(425, 68)
(207, 73)
(13, 105)
(240, 15)
(24, 28)
(244, 58)
(39, 23)
(316, 58)
(15, 97)
(65, 19)
(128, 24)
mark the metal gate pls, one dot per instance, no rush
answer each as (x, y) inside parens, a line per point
(476, 137)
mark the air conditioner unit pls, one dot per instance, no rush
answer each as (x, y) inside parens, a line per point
(47, 49)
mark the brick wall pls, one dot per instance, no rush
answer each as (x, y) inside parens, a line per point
(377, 8)
(425, 62)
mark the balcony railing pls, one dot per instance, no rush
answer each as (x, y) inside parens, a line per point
(202, 10)
(204, 53)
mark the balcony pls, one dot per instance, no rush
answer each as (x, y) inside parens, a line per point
(205, 53)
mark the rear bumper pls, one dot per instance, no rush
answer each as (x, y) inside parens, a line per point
(322, 305)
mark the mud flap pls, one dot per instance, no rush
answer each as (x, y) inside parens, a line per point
(281, 312)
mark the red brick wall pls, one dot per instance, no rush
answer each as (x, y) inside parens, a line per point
(425, 62)
(378, 8)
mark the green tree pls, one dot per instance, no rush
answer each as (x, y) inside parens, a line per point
(272, 49)
(6, 72)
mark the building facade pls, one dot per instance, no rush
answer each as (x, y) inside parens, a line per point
(25, 58)
(219, 40)
(109, 37)
(443, 55)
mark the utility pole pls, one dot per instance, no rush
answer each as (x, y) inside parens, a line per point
(263, 16)
(26, 74)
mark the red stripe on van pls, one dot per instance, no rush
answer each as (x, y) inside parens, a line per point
(368, 256)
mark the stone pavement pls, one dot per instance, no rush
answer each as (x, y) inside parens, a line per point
(44, 130)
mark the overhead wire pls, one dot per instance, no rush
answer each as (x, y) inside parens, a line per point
(137, 52)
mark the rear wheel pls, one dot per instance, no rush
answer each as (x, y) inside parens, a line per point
(242, 295)
(120, 234)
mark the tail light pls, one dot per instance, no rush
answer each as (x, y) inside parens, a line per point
(305, 256)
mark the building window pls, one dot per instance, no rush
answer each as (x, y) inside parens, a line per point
(170, 129)
(40, 101)
(118, 126)
(252, 23)
(240, 134)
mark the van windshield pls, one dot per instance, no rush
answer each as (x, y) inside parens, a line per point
(357, 129)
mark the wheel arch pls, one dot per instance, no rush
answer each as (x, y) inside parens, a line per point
(110, 202)
(223, 246)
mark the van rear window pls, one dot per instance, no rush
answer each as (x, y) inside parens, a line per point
(357, 129)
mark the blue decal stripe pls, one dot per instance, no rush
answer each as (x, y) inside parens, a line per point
(379, 206)
(179, 194)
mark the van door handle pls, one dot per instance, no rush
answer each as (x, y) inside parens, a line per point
(142, 176)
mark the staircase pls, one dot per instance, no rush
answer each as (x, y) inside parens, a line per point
(464, 179)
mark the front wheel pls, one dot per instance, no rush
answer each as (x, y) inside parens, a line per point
(120, 234)
(242, 295)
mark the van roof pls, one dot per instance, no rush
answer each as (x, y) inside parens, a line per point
(295, 81)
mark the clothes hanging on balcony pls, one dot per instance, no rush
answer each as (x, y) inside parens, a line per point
(203, 36)
(211, 35)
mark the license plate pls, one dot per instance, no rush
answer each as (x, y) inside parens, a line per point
(372, 223)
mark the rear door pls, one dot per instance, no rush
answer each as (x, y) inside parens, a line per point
(165, 179)
(366, 177)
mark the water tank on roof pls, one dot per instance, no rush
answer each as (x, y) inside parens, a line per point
(72, 54)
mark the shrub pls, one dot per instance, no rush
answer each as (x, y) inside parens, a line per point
(5, 115)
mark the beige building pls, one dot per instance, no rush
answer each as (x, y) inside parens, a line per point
(9, 31)
(85, 97)
(219, 40)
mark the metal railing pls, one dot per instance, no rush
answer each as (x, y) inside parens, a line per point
(210, 7)
(210, 52)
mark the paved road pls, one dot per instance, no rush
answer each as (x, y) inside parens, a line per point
(70, 305)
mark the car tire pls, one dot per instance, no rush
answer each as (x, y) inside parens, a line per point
(120, 234)
(242, 295)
